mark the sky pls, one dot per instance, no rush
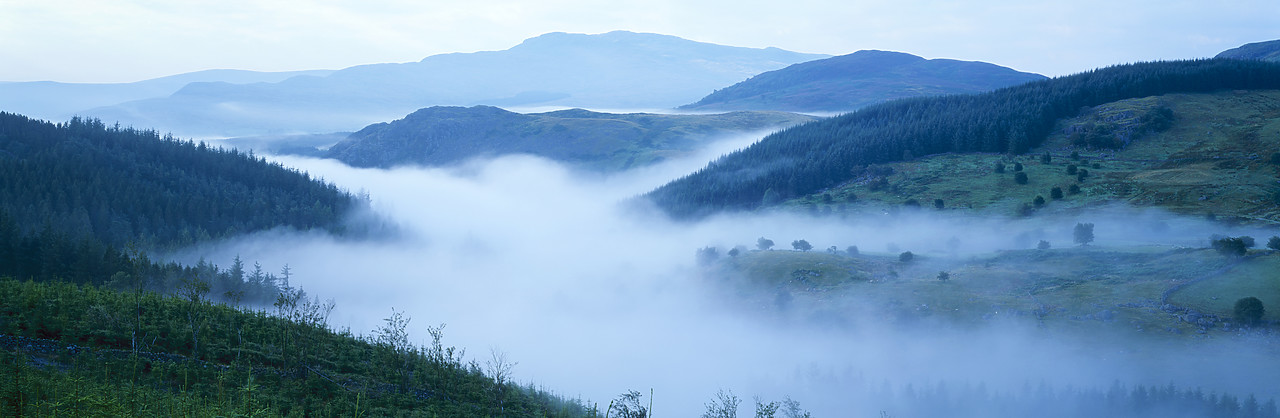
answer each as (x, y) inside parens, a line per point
(132, 40)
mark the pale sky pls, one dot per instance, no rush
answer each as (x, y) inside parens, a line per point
(130, 40)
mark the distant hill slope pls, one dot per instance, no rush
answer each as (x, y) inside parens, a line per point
(600, 141)
(59, 101)
(1194, 165)
(615, 70)
(1266, 51)
(810, 157)
(848, 82)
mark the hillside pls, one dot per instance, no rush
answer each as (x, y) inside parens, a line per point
(615, 70)
(809, 158)
(1266, 51)
(74, 350)
(593, 140)
(1218, 155)
(852, 81)
(83, 202)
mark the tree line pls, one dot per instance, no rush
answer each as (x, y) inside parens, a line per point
(807, 158)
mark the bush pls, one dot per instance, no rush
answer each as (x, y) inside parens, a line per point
(1274, 243)
(1017, 166)
(1249, 310)
(1229, 246)
(1071, 169)
(851, 250)
(1043, 245)
(938, 203)
(999, 167)
(906, 257)
(1074, 189)
(1039, 201)
(1055, 193)
(944, 276)
(1020, 178)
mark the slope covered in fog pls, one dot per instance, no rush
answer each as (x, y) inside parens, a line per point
(848, 82)
(613, 70)
(594, 140)
(808, 158)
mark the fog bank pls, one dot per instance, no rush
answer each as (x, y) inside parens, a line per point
(594, 297)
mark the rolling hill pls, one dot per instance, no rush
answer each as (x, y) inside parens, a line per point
(592, 140)
(808, 158)
(848, 82)
(1266, 51)
(615, 70)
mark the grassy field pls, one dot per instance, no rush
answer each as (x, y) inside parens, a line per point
(1215, 158)
(1079, 289)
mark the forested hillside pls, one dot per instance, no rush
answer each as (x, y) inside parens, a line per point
(83, 202)
(443, 135)
(852, 81)
(817, 155)
(1266, 51)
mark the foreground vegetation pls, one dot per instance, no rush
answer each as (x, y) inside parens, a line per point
(80, 350)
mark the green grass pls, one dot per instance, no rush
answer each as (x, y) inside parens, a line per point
(1215, 158)
(1258, 277)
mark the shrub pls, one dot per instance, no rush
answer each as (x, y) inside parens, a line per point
(938, 203)
(1274, 243)
(906, 257)
(1039, 201)
(1020, 178)
(1043, 245)
(999, 167)
(1055, 193)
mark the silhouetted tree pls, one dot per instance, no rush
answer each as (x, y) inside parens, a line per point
(1038, 201)
(938, 203)
(1274, 243)
(851, 250)
(1020, 178)
(1083, 233)
(707, 255)
(724, 405)
(764, 243)
(1249, 310)
(1043, 245)
(733, 252)
(906, 257)
(801, 245)
(1229, 246)
(628, 405)
(944, 276)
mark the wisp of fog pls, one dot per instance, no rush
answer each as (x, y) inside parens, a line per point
(593, 296)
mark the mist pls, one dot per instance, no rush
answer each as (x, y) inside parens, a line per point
(593, 294)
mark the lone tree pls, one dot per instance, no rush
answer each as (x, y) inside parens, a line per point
(1249, 310)
(1083, 233)
(1230, 246)
(1043, 245)
(707, 255)
(801, 245)
(944, 276)
(906, 257)
(764, 244)
(1274, 243)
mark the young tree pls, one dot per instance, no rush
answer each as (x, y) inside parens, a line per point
(1072, 169)
(1249, 310)
(766, 410)
(707, 255)
(1083, 233)
(628, 406)
(764, 243)
(801, 245)
(791, 409)
(724, 405)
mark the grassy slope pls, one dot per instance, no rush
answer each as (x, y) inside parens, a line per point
(1214, 159)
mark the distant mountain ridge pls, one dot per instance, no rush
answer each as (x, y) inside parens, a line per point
(615, 70)
(1266, 51)
(852, 81)
(59, 101)
(599, 141)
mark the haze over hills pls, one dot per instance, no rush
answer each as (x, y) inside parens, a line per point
(593, 140)
(848, 82)
(59, 101)
(615, 70)
(1266, 51)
